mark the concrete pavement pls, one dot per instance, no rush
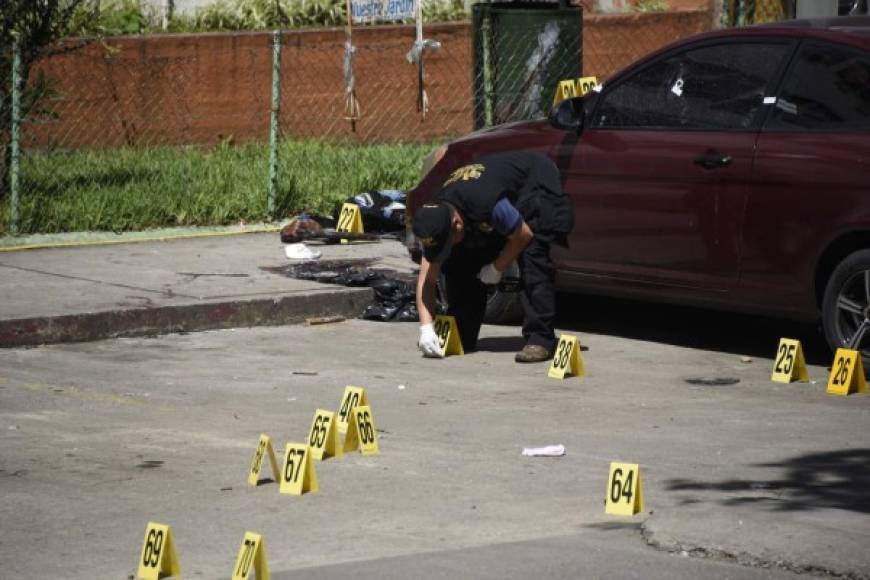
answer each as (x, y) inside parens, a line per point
(749, 480)
(101, 291)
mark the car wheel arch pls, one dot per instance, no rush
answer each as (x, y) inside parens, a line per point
(835, 252)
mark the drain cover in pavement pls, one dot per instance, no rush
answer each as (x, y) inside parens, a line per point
(713, 381)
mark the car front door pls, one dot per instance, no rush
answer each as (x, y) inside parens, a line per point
(659, 176)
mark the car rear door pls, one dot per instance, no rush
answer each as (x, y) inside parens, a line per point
(812, 172)
(659, 176)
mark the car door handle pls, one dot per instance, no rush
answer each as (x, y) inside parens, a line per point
(713, 160)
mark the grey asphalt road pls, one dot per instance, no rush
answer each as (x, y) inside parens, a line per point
(749, 480)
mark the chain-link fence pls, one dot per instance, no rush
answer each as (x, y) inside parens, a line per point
(746, 12)
(174, 130)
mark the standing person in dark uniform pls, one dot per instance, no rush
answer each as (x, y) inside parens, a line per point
(501, 208)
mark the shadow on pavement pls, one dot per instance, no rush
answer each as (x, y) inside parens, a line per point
(835, 479)
(741, 334)
(500, 343)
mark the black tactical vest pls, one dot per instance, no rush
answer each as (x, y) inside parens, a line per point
(530, 180)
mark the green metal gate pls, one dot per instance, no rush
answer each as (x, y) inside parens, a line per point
(521, 52)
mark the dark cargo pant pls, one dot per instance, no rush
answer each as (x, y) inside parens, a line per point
(466, 294)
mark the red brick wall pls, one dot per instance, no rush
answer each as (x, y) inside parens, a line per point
(205, 88)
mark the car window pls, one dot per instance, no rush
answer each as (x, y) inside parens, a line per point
(826, 88)
(713, 87)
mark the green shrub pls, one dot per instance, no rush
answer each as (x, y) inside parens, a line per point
(136, 17)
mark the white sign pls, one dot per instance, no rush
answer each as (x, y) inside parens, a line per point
(381, 10)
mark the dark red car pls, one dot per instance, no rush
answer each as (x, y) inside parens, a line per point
(728, 170)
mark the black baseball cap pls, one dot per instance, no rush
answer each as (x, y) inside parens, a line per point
(433, 227)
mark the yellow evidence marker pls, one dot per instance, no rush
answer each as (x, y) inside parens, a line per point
(567, 359)
(361, 432)
(158, 559)
(574, 88)
(298, 475)
(264, 446)
(847, 373)
(624, 490)
(790, 364)
(564, 91)
(584, 85)
(323, 437)
(349, 220)
(448, 335)
(352, 397)
(252, 551)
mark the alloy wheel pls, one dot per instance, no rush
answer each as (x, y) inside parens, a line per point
(852, 321)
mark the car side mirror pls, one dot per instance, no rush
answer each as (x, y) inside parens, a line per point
(568, 115)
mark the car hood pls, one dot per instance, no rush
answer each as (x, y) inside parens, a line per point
(507, 130)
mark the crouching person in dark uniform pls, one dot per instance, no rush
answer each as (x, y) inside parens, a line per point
(501, 208)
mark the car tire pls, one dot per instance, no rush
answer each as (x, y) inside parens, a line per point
(846, 305)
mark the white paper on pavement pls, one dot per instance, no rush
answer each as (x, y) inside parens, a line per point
(548, 451)
(300, 252)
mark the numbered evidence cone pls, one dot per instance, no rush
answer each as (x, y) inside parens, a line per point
(297, 474)
(323, 436)
(349, 220)
(264, 448)
(353, 396)
(252, 551)
(158, 558)
(567, 359)
(624, 490)
(565, 90)
(361, 432)
(448, 335)
(847, 373)
(789, 364)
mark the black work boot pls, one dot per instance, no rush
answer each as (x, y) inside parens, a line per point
(533, 353)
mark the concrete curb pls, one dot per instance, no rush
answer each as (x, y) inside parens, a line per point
(273, 311)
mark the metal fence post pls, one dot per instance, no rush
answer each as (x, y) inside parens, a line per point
(14, 165)
(273, 124)
(488, 96)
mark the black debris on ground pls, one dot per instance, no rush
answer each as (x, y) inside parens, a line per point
(394, 291)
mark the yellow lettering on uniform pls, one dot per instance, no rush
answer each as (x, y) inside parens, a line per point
(466, 173)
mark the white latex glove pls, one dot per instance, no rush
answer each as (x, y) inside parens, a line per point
(429, 343)
(489, 275)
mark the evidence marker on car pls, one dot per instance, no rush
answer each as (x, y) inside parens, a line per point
(297, 474)
(574, 88)
(361, 432)
(847, 373)
(264, 447)
(448, 335)
(789, 364)
(323, 436)
(567, 360)
(158, 558)
(353, 396)
(624, 490)
(252, 551)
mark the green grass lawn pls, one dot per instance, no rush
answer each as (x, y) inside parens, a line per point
(139, 188)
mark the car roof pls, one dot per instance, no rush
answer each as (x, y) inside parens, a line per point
(849, 29)
(852, 30)
(851, 25)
